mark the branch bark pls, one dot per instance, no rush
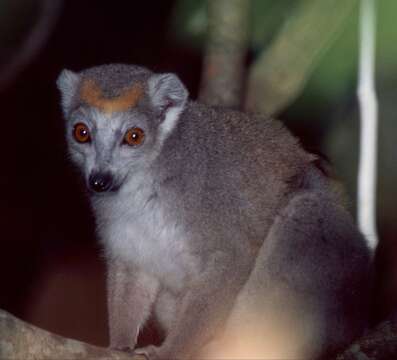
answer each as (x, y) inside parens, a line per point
(223, 68)
(20, 340)
(281, 71)
(379, 344)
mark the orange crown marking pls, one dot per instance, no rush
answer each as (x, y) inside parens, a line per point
(91, 94)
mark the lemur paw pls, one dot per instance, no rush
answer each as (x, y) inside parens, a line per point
(149, 352)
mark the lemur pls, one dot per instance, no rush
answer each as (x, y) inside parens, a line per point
(216, 221)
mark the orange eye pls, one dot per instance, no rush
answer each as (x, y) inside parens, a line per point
(81, 133)
(134, 137)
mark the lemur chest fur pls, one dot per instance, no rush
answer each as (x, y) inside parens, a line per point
(149, 238)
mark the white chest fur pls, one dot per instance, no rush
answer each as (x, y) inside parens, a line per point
(148, 237)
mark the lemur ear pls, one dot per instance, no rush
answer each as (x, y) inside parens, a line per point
(67, 83)
(168, 96)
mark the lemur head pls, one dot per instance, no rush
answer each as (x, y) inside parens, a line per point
(117, 118)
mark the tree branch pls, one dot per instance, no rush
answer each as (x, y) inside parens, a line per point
(379, 344)
(280, 72)
(223, 68)
(20, 340)
(366, 189)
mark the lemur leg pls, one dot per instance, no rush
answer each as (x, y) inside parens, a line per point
(308, 293)
(166, 309)
(131, 294)
(203, 310)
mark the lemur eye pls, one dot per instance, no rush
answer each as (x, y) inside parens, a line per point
(81, 133)
(134, 136)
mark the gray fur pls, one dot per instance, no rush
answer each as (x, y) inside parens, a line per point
(220, 222)
(67, 83)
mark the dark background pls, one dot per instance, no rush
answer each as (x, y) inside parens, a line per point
(51, 270)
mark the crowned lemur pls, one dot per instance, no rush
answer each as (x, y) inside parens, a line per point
(216, 221)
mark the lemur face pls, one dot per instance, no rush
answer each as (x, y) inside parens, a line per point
(109, 146)
(117, 119)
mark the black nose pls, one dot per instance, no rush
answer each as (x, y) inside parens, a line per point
(100, 182)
